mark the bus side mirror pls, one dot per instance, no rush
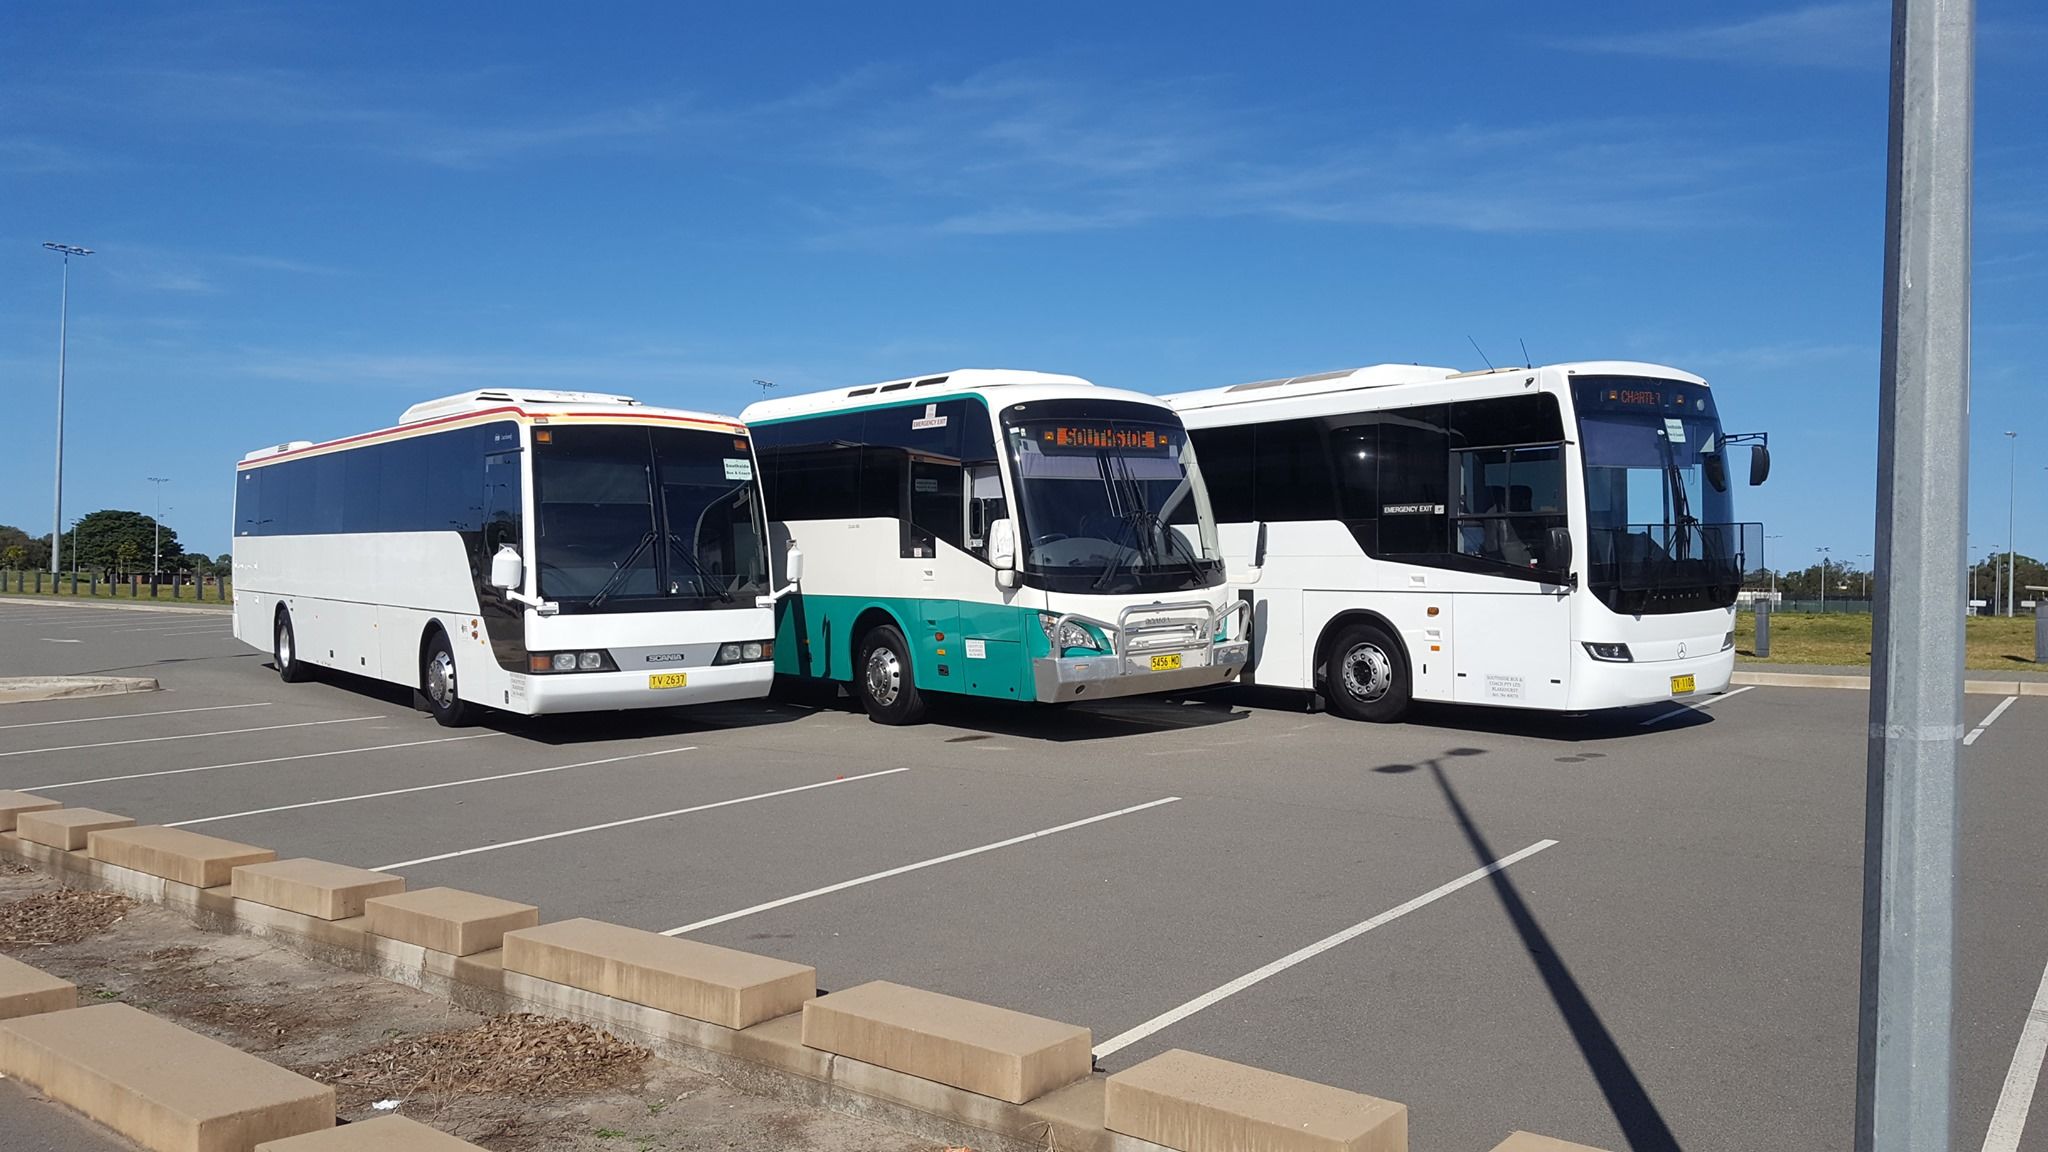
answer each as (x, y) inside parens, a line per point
(1716, 465)
(793, 564)
(1759, 464)
(507, 570)
(1002, 551)
(1557, 550)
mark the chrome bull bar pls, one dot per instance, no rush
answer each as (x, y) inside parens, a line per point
(1142, 637)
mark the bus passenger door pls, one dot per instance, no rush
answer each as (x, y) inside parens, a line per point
(504, 523)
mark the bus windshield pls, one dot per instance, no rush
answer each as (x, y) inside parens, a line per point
(632, 518)
(1111, 499)
(1658, 507)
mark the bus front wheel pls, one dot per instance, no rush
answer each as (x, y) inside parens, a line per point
(437, 684)
(882, 678)
(284, 652)
(1366, 675)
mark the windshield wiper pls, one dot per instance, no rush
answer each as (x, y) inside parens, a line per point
(620, 573)
(675, 549)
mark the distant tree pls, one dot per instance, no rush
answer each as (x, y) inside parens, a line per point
(35, 550)
(224, 565)
(105, 538)
(1987, 577)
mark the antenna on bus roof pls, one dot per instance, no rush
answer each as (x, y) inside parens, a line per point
(1482, 352)
(765, 385)
(1526, 362)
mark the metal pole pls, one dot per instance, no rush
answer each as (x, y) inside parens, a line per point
(1824, 579)
(2012, 490)
(1904, 1044)
(63, 324)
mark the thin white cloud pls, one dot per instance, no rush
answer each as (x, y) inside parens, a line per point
(1838, 35)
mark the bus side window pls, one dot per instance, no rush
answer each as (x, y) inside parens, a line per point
(501, 506)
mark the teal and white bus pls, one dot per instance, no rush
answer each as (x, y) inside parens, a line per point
(1008, 535)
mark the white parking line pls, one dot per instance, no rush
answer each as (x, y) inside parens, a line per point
(54, 640)
(1989, 720)
(2022, 1077)
(1682, 709)
(1224, 992)
(189, 736)
(254, 763)
(134, 715)
(637, 820)
(429, 787)
(871, 877)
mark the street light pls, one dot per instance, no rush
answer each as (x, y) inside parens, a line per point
(63, 320)
(1866, 574)
(2012, 440)
(1823, 578)
(1774, 571)
(156, 557)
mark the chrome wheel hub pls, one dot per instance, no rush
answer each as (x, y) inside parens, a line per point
(284, 646)
(1368, 673)
(441, 679)
(884, 677)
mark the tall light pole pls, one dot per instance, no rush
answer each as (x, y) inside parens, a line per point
(1866, 574)
(1824, 578)
(1774, 571)
(156, 549)
(2012, 490)
(1905, 1050)
(63, 321)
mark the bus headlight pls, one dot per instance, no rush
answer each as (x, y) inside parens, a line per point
(1609, 653)
(747, 652)
(1727, 641)
(1071, 635)
(552, 662)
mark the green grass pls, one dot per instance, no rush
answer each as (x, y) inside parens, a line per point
(1994, 642)
(24, 584)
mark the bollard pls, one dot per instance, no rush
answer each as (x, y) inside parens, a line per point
(154, 580)
(39, 580)
(74, 581)
(1763, 629)
(2040, 630)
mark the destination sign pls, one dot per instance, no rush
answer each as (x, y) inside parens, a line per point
(1103, 437)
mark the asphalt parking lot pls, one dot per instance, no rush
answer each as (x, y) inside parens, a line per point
(1632, 930)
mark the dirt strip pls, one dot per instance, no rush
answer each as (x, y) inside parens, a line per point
(514, 1083)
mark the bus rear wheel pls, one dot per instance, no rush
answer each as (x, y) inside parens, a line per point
(284, 651)
(882, 678)
(437, 684)
(1365, 675)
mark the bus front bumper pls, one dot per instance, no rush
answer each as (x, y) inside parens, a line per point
(1057, 679)
(1597, 685)
(610, 691)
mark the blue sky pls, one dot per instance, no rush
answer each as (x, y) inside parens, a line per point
(310, 216)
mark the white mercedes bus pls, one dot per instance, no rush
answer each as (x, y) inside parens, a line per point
(528, 551)
(1007, 535)
(1560, 538)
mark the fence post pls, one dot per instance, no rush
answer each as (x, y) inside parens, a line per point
(1763, 629)
(154, 580)
(39, 580)
(134, 586)
(2041, 629)
(74, 581)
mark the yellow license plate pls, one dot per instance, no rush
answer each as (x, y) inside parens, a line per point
(1166, 663)
(682, 680)
(1680, 685)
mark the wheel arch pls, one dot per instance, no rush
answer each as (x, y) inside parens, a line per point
(1320, 657)
(419, 664)
(871, 617)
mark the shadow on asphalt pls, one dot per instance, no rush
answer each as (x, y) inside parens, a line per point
(1613, 724)
(1058, 724)
(1642, 1124)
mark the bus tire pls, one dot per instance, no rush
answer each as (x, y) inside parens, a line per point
(1366, 675)
(438, 684)
(882, 678)
(284, 651)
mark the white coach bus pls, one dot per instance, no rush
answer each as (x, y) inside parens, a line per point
(1008, 535)
(1561, 537)
(528, 551)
